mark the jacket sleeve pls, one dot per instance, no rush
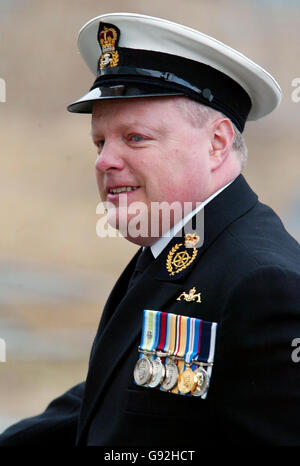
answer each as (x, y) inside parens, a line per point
(57, 425)
(257, 377)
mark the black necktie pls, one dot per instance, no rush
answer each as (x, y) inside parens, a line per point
(143, 262)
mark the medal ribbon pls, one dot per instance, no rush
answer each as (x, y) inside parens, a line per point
(180, 343)
(207, 341)
(163, 331)
(150, 331)
(181, 336)
(167, 332)
(171, 334)
(193, 339)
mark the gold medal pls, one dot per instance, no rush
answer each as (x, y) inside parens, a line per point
(187, 381)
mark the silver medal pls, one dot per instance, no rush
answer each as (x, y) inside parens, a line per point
(203, 382)
(171, 376)
(158, 373)
(142, 371)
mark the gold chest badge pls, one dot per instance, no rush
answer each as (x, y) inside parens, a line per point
(190, 296)
(180, 260)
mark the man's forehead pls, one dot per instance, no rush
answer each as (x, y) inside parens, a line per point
(135, 106)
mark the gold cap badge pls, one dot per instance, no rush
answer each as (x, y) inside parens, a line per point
(108, 37)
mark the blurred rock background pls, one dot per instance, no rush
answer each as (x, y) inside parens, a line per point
(55, 273)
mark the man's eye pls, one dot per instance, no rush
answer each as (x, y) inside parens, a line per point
(136, 138)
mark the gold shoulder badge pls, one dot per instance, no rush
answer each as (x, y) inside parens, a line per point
(180, 260)
(108, 37)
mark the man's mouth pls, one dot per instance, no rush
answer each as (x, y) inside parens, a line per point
(122, 189)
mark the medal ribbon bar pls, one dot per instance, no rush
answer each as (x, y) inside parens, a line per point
(207, 340)
(150, 332)
(163, 338)
(193, 339)
(170, 341)
(181, 336)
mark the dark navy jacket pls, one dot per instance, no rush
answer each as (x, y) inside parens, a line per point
(248, 273)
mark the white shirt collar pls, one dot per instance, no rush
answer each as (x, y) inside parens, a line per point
(163, 241)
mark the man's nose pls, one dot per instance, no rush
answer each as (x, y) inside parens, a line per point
(110, 158)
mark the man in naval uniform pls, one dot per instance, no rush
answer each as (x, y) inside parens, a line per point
(168, 108)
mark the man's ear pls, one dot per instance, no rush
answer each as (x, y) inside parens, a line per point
(222, 136)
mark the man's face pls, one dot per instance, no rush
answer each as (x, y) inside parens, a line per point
(148, 147)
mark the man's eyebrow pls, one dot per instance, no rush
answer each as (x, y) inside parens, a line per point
(133, 125)
(141, 126)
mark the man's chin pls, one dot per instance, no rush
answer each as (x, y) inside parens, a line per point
(143, 225)
(133, 230)
(141, 240)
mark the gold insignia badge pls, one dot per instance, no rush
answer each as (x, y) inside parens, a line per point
(108, 38)
(190, 296)
(178, 261)
(191, 239)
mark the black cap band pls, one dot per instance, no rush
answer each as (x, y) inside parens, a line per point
(180, 76)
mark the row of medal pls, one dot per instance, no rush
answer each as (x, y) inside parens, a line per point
(186, 346)
(153, 373)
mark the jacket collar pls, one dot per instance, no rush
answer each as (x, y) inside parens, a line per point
(162, 242)
(209, 223)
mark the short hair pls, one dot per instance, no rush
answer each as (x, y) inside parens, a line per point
(200, 114)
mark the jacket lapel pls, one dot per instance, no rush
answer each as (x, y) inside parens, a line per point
(122, 317)
(120, 332)
(117, 294)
